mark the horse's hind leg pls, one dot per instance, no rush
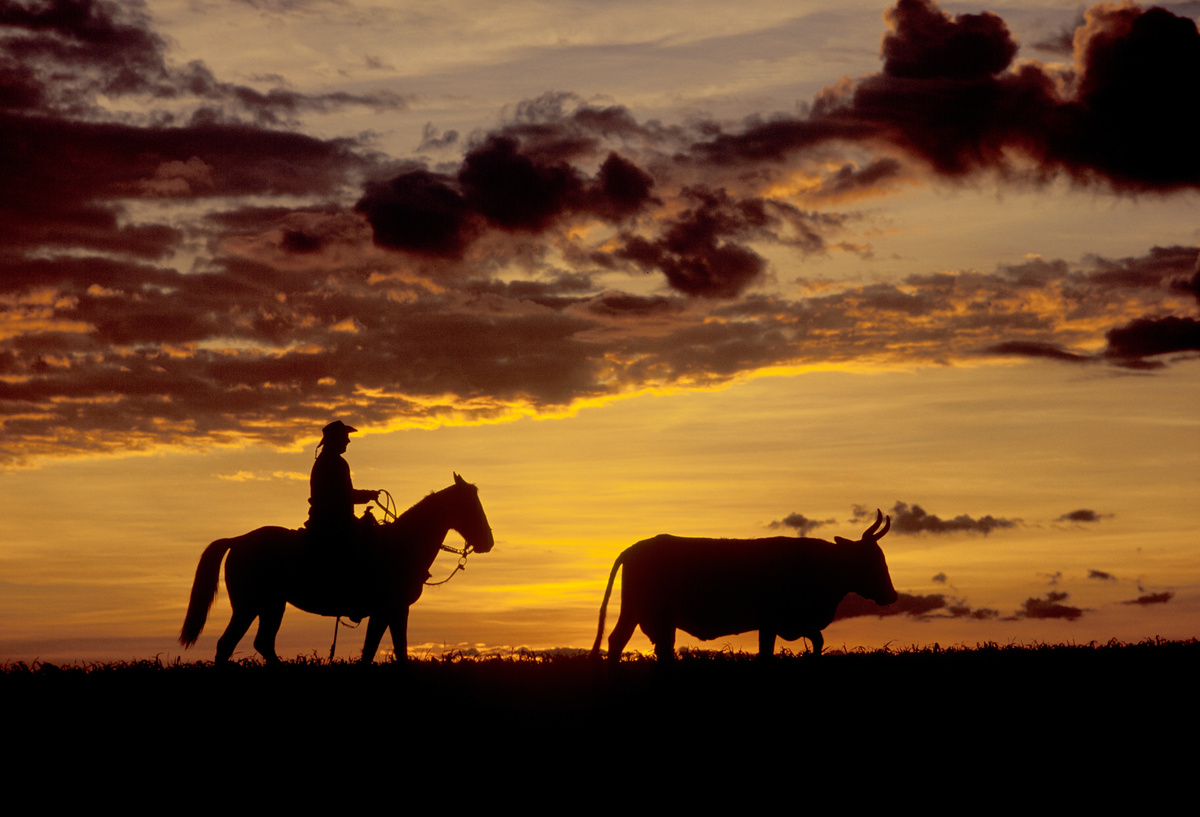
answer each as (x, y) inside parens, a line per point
(376, 626)
(238, 625)
(269, 619)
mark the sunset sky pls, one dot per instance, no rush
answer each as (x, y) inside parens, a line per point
(632, 268)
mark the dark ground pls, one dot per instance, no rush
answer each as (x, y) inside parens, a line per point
(1092, 715)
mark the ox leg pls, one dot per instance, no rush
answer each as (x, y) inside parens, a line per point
(664, 644)
(766, 645)
(621, 634)
(238, 625)
(268, 627)
(376, 625)
(818, 642)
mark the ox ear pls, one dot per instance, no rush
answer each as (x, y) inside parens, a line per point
(459, 480)
(841, 540)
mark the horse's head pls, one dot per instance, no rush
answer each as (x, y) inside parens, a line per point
(467, 516)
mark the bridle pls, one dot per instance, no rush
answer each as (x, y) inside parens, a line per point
(462, 562)
(388, 506)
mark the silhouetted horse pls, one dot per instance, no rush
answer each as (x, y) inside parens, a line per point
(269, 567)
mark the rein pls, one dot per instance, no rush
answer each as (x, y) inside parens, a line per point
(462, 563)
(388, 505)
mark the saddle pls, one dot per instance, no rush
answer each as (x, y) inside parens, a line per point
(336, 571)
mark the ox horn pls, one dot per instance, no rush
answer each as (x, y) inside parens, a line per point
(870, 533)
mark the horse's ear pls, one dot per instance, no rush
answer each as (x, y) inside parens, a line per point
(459, 480)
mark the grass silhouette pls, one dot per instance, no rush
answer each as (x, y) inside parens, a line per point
(554, 726)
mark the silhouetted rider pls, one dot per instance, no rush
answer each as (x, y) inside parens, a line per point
(332, 495)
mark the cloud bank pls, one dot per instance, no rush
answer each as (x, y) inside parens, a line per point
(182, 264)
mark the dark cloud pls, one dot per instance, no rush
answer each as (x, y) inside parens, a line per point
(915, 606)
(61, 55)
(1151, 598)
(69, 167)
(951, 96)
(1159, 268)
(1123, 117)
(67, 182)
(1148, 337)
(1159, 274)
(614, 304)
(419, 212)
(1131, 109)
(777, 140)
(1081, 515)
(1018, 348)
(854, 605)
(933, 606)
(800, 523)
(104, 47)
(500, 185)
(301, 242)
(515, 191)
(850, 178)
(939, 578)
(695, 252)
(960, 609)
(914, 519)
(926, 43)
(1102, 575)
(252, 299)
(135, 350)
(1049, 607)
(704, 251)
(526, 177)
(136, 373)
(1190, 285)
(621, 191)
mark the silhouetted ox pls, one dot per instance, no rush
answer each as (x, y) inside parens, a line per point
(782, 586)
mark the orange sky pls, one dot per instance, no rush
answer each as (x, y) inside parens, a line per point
(631, 271)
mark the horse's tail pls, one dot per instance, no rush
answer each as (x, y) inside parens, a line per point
(604, 604)
(204, 590)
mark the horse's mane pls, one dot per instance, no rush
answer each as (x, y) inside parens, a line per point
(416, 512)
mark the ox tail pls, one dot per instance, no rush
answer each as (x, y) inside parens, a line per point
(204, 590)
(604, 605)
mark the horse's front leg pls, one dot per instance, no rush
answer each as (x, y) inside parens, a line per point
(376, 624)
(400, 634)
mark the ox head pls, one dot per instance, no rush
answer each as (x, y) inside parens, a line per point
(871, 577)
